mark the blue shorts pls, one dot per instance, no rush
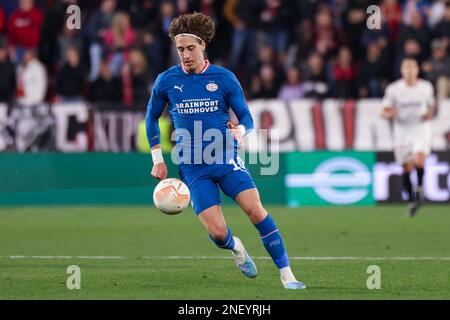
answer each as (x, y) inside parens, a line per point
(204, 180)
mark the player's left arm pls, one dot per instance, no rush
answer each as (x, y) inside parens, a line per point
(431, 104)
(238, 104)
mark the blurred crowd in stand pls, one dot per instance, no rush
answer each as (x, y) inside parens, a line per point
(282, 49)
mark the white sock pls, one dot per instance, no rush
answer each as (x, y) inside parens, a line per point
(286, 275)
(238, 246)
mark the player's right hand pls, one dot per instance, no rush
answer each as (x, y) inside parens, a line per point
(388, 113)
(159, 171)
(234, 130)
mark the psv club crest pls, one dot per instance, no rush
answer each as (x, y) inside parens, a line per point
(212, 87)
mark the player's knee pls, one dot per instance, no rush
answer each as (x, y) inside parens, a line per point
(420, 160)
(407, 167)
(256, 212)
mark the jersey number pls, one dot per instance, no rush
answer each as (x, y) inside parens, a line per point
(240, 165)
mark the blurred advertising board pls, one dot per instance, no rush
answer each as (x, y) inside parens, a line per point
(436, 181)
(329, 178)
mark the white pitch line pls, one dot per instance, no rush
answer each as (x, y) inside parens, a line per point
(373, 258)
(65, 257)
(299, 258)
(343, 258)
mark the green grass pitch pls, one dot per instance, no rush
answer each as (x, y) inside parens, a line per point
(140, 253)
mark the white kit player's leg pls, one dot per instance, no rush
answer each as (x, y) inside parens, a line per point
(421, 149)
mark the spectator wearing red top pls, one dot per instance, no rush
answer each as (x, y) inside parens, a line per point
(327, 36)
(118, 41)
(24, 28)
(2, 20)
(344, 74)
(392, 13)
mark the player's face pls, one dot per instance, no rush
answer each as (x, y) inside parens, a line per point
(410, 70)
(191, 53)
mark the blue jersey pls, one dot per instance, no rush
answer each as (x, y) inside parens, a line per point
(196, 103)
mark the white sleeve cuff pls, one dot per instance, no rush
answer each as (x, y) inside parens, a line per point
(157, 156)
(242, 130)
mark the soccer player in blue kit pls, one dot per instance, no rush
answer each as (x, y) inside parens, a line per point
(199, 96)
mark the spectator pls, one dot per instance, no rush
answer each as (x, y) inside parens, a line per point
(243, 16)
(315, 84)
(153, 48)
(2, 20)
(31, 80)
(442, 29)
(327, 37)
(54, 20)
(355, 25)
(411, 49)
(70, 80)
(437, 10)
(107, 87)
(305, 9)
(118, 41)
(437, 69)
(169, 51)
(98, 23)
(267, 57)
(217, 50)
(142, 12)
(416, 30)
(292, 88)
(254, 28)
(167, 13)
(66, 39)
(411, 7)
(373, 75)
(344, 75)
(301, 48)
(140, 78)
(274, 21)
(24, 27)
(265, 86)
(380, 36)
(392, 11)
(7, 76)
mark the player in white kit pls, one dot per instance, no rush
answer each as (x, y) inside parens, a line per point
(410, 103)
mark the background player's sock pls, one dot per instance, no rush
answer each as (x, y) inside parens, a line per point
(273, 242)
(406, 180)
(227, 243)
(420, 173)
(420, 195)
